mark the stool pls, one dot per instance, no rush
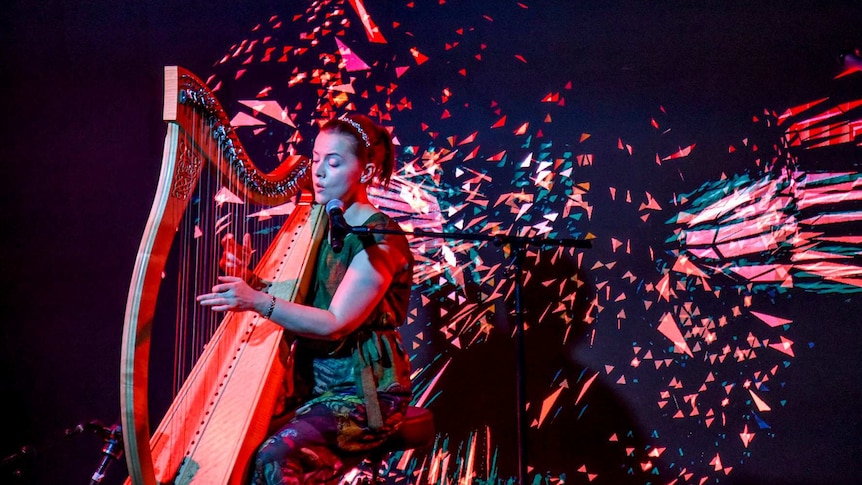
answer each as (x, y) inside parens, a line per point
(416, 432)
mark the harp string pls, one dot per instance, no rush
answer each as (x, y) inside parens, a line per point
(213, 212)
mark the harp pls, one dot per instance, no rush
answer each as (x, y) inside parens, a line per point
(222, 407)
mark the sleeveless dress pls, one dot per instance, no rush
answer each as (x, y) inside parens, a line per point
(356, 390)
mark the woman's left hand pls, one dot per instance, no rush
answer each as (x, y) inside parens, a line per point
(235, 257)
(232, 294)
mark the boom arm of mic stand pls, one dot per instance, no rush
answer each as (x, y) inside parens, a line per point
(496, 239)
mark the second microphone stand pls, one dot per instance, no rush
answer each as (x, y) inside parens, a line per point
(518, 244)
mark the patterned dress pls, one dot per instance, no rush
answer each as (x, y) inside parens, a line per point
(336, 425)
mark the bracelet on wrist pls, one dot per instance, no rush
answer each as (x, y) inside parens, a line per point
(269, 310)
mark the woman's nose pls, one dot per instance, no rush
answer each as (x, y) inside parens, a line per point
(317, 170)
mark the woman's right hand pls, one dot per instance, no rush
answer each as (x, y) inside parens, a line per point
(235, 257)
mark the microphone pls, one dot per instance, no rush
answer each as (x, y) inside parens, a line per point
(112, 451)
(338, 227)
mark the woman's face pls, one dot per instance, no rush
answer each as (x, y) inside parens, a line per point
(335, 169)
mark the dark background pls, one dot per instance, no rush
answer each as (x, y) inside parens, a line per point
(82, 86)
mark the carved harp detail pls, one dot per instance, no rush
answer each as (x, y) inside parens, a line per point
(222, 410)
(188, 167)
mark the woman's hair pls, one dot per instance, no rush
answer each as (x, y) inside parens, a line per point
(372, 142)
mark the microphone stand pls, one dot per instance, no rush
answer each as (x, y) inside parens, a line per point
(519, 245)
(112, 450)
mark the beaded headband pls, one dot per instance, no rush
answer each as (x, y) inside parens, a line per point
(358, 129)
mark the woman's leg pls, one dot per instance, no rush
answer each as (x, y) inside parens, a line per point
(304, 446)
(322, 442)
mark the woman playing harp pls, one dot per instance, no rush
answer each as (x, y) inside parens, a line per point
(351, 368)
